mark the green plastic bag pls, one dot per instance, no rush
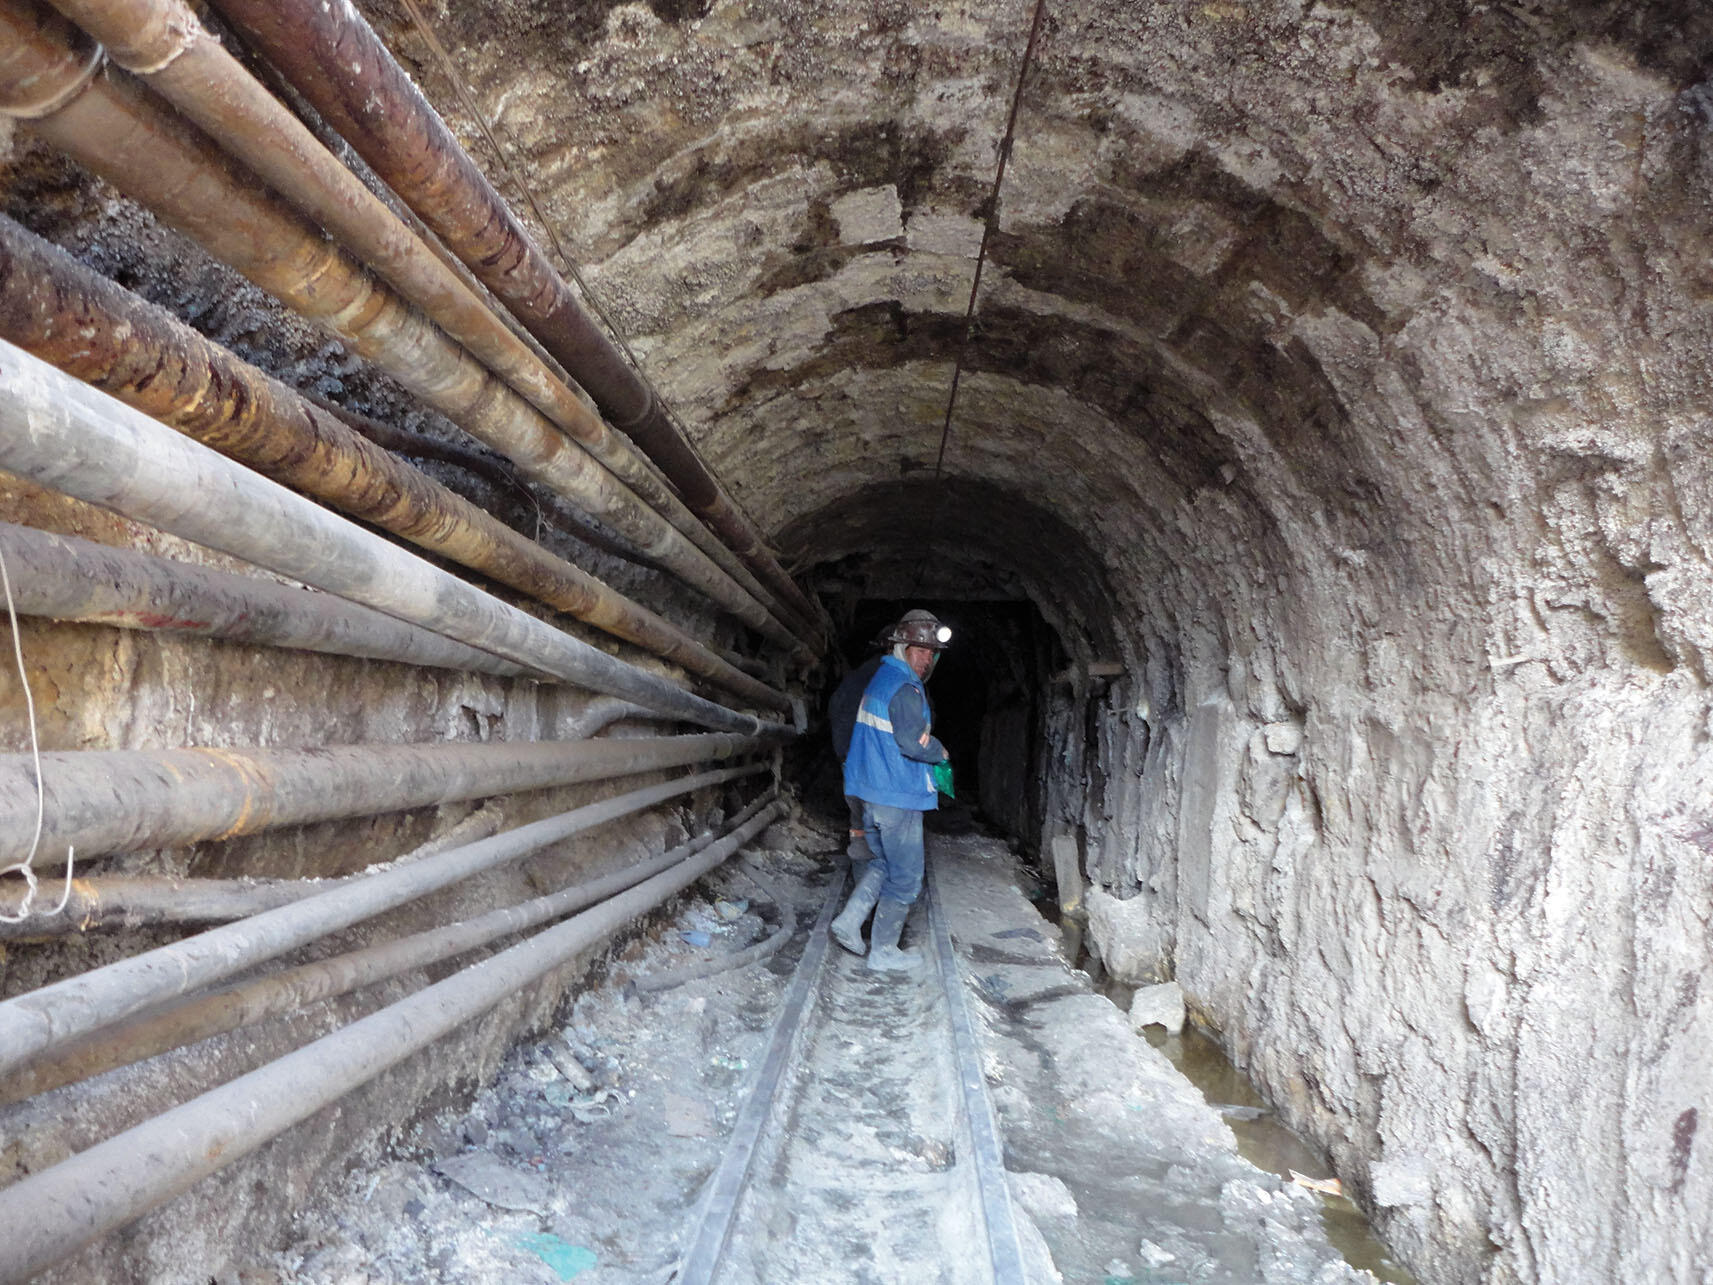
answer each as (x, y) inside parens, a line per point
(942, 772)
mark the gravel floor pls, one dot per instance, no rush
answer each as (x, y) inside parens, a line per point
(584, 1159)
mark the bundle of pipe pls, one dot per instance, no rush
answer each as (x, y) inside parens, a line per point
(119, 131)
(52, 1214)
(60, 311)
(104, 801)
(376, 107)
(72, 438)
(61, 577)
(249, 1002)
(45, 1019)
(549, 509)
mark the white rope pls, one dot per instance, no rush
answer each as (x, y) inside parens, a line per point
(26, 866)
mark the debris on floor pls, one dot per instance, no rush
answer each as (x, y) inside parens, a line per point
(586, 1155)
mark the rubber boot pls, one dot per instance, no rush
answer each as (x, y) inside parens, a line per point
(883, 952)
(847, 928)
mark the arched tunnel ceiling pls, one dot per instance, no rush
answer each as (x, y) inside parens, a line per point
(1285, 296)
(958, 539)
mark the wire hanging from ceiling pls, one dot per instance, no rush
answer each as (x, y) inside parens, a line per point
(988, 226)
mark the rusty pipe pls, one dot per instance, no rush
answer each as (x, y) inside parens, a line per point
(52, 1214)
(163, 43)
(40, 1021)
(76, 439)
(119, 131)
(375, 106)
(56, 309)
(102, 801)
(61, 577)
(549, 509)
(162, 899)
(247, 1003)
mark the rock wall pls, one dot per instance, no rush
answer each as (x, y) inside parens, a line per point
(1340, 374)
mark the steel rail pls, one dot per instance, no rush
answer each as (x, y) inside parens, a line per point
(993, 1192)
(717, 1211)
(52, 1214)
(375, 106)
(56, 309)
(73, 438)
(38, 1022)
(249, 1002)
(120, 131)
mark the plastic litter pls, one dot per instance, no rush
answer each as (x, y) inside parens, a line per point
(1326, 1186)
(586, 1108)
(731, 910)
(942, 773)
(696, 937)
(567, 1260)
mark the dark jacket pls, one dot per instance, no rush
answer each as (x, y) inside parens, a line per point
(842, 709)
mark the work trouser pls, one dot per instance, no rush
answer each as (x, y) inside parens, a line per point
(895, 838)
(856, 846)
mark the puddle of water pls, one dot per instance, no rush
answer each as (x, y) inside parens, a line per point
(1261, 1139)
(1268, 1144)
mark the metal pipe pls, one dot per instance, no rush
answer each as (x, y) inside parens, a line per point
(167, 900)
(64, 578)
(119, 131)
(102, 801)
(163, 43)
(67, 436)
(53, 1214)
(382, 114)
(248, 1003)
(42, 1020)
(549, 508)
(58, 310)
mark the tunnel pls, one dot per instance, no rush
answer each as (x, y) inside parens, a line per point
(420, 419)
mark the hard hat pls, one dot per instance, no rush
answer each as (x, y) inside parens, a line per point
(920, 628)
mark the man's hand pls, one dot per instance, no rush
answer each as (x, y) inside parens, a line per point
(922, 740)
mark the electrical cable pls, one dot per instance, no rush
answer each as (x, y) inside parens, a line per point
(988, 225)
(27, 865)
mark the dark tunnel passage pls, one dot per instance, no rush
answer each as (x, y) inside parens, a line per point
(989, 693)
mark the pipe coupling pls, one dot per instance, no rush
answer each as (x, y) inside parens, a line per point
(46, 99)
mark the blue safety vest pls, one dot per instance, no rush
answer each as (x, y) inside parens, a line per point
(875, 769)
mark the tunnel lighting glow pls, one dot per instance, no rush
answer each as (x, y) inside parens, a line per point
(944, 634)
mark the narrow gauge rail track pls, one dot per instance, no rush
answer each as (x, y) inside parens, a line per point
(867, 1148)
